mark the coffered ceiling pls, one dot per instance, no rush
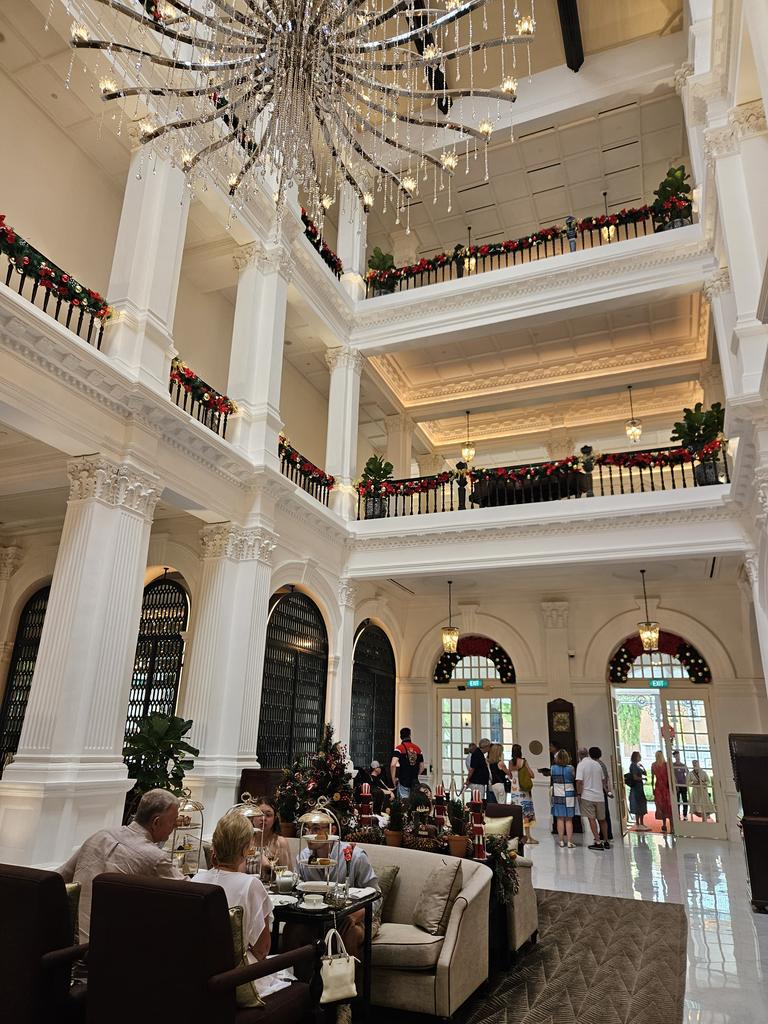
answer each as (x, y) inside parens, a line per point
(551, 170)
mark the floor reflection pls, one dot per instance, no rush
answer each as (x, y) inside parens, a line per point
(727, 981)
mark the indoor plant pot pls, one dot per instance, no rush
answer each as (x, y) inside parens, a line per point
(701, 432)
(457, 845)
(375, 474)
(392, 837)
(707, 473)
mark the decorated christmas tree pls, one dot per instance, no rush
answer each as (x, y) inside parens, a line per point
(323, 774)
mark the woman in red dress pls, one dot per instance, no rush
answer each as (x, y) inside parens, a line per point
(661, 795)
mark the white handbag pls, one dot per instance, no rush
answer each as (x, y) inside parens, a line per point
(337, 971)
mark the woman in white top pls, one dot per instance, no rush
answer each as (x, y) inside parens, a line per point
(232, 842)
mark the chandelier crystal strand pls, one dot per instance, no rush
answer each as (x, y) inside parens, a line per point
(310, 93)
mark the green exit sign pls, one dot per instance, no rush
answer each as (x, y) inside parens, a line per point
(474, 684)
(658, 684)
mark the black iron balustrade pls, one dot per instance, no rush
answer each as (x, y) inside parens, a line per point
(200, 400)
(31, 275)
(306, 474)
(585, 476)
(470, 261)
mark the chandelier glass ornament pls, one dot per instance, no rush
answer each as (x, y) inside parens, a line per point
(633, 427)
(468, 448)
(312, 93)
(450, 633)
(649, 631)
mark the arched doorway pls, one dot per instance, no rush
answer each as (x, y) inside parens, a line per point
(23, 658)
(475, 698)
(372, 720)
(295, 676)
(159, 651)
(660, 701)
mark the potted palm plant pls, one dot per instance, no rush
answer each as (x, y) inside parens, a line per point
(673, 206)
(380, 262)
(701, 432)
(376, 473)
(158, 757)
(456, 839)
(393, 835)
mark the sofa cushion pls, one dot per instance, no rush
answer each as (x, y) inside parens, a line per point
(438, 894)
(403, 947)
(385, 876)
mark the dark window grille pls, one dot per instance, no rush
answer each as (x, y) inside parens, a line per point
(372, 725)
(295, 675)
(159, 652)
(23, 658)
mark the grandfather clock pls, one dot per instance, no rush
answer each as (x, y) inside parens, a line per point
(561, 725)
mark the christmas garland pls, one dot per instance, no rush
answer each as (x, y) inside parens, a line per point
(327, 254)
(405, 488)
(535, 472)
(661, 459)
(309, 470)
(30, 262)
(621, 663)
(201, 392)
(635, 215)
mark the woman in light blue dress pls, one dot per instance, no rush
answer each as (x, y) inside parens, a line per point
(565, 806)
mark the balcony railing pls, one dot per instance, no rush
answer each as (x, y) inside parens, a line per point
(33, 276)
(580, 476)
(192, 394)
(301, 471)
(467, 261)
(327, 255)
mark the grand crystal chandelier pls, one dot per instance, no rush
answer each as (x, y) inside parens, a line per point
(381, 94)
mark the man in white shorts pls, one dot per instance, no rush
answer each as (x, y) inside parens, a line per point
(590, 787)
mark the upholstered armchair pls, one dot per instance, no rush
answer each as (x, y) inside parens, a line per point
(164, 947)
(37, 950)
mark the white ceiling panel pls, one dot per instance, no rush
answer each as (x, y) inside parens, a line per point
(663, 145)
(620, 125)
(552, 205)
(618, 158)
(625, 187)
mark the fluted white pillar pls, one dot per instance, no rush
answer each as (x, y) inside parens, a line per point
(68, 777)
(340, 665)
(146, 268)
(223, 695)
(351, 241)
(752, 569)
(345, 365)
(400, 444)
(256, 357)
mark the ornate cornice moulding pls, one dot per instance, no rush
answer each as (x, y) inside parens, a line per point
(238, 543)
(521, 281)
(510, 532)
(744, 122)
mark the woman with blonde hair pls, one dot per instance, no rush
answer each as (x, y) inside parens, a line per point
(562, 781)
(232, 843)
(499, 773)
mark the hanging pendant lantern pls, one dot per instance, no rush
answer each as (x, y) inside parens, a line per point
(633, 427)
(450, 633)
(468, 448)
(649, 631)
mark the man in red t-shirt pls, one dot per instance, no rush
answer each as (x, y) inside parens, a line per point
(407, 765)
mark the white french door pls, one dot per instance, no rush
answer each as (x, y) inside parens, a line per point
(675, 719)
(466, 716)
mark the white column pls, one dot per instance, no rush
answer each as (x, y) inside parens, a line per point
(10, 560)
(223, 695)
(717, 291)
(351, 241)
(346, 366)
(751, 566)
(339, 698)
(738, 150)
(555, 618)
(256, 358)
(145, 270)
(68, 778)
(399, 444)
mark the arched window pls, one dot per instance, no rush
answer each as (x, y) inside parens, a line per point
(372, 723)
(295, 675)
(675, 659)
(22, 669)
(159, 652)
(477, 658)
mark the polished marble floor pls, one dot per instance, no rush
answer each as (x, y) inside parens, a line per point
(727, 979)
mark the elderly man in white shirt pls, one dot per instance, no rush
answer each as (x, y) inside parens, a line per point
(130, 849)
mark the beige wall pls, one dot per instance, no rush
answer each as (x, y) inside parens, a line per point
(304, 412)
(202, 332)
(52, 194)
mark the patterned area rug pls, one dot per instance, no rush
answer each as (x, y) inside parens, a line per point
(599, 960)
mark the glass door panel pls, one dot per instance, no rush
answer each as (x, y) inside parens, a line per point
(496, 722)
(456, 720)
(698, 803)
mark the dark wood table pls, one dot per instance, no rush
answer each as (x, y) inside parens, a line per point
(329, 917)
